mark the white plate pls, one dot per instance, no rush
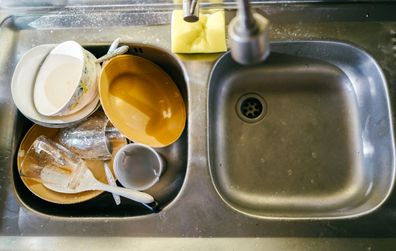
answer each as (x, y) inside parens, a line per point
(22, 86)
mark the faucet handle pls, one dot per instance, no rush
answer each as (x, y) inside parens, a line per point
(190, 11)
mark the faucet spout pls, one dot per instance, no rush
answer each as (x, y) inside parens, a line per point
(246, 18)
(191, 10)
(249, 35)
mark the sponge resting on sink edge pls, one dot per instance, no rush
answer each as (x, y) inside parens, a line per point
(207, 35)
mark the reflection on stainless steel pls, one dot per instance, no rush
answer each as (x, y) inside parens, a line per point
(306, 159)
(195, 209)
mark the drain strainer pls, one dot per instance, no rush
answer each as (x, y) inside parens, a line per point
(251, 108)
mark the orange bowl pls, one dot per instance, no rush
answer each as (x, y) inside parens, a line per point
(142, 101)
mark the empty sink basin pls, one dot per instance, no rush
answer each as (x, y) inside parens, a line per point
(306, 134)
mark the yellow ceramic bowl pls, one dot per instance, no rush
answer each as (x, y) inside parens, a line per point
(142, 101)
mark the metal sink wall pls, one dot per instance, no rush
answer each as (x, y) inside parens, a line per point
(306, 134)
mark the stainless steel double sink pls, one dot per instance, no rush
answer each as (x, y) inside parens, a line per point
(297, 146)
(306, 134)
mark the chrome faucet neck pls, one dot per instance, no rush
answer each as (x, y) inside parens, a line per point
(247, 22)
(249, 35)
(191, 10)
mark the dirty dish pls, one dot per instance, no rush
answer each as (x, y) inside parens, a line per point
(93, 138)
(138, 166)
(66, 80)
(47, 154)
(70, 120)
(96, 166)
(142, 101)
(58, 180)
(22, 90)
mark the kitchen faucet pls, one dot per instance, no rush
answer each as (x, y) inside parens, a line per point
(248, 32)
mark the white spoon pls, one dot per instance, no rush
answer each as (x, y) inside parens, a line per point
(119, 51)
(60, 181)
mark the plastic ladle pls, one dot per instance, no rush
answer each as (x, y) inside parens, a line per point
(59, 181)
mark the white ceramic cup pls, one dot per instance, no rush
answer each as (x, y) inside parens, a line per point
(66, 81)
(138, 166)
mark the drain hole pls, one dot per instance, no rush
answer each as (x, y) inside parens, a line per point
(251, 108)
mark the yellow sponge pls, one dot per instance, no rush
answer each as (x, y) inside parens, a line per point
(204, 36)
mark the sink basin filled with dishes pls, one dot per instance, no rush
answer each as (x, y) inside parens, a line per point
(109, 136)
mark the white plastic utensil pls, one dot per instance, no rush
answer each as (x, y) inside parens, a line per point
(118, 51)
(59, 181)
(111, 181)
(95, 138)
(114, 45)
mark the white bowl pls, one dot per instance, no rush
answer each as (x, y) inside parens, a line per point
(66, 81)
(22, 85)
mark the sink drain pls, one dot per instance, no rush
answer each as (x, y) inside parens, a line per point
(251, 108)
